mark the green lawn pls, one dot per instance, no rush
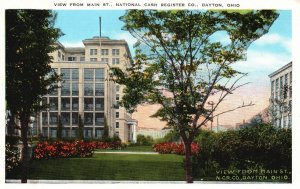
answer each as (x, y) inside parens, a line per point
(166, 167)
(132, 149)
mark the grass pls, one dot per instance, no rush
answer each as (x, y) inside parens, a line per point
(167, 167)
(132, 149)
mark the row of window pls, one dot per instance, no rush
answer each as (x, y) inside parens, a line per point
(281, 87)
(72, 133)
(68, 118)
(115, 52)
(286, 122)
(105, 60)
(72, 104)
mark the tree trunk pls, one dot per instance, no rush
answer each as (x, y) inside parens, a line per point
(24, 159)
(188, 162)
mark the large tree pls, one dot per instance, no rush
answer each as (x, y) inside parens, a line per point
(30, 35)
(181, 64)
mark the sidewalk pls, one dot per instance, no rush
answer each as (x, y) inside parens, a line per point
(124, 152)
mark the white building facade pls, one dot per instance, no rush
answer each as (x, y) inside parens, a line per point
(281, 97)
(87, 90)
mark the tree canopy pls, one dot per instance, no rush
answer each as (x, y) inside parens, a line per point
(178, 54)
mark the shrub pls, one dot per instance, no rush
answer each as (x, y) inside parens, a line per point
(144, 140)
(251, 147)
(12, 157)
(174, 148)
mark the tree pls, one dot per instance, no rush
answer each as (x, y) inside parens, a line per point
(80, 128)
(30, 35)
(280, 105)
(180, 64)
(59, 128)
(106, 131)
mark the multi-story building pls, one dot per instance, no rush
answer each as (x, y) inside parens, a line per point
(86, 90)
(281, 97)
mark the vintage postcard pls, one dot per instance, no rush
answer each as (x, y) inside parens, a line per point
(143, 92)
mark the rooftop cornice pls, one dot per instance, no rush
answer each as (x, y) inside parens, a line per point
(281, 69)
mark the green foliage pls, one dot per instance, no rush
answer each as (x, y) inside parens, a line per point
(80, 128)
(30, 35)
(12, 158)
(176, 54)
(106, 130)
(172, 136)
(59, 128)
(144, 140)
(251, 147)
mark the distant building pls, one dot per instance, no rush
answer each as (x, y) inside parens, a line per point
(87, 91)
(281, 97)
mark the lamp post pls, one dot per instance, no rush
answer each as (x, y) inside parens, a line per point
(212, 118)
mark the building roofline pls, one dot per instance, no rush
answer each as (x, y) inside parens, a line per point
(281, 69)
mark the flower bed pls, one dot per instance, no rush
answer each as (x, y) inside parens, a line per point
(62, 149)
(174, 148)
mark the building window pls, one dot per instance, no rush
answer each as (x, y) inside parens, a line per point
(53, 102)
(104, 60)
(286, 79)
(73, 132)
(117, 114)
(88, 133)
(117, 125)
(75, 104)
(93, 51)
(88, 104)
(99, 104)
(116, 52)
(99, 75)
(65, 104)
(75, 74)
(99, 119)
(117, 88)
(88, 89)
(66, 133)
(63, 57)
(65, 89)
(65, 72)
(117, 97)
(53, 132)
(53, 118)
(116, 60)
(59, 54)
(75, 90)
(45, 118)
(71, 58)
(88, 118)
(93, 59)
(65, 118)
(99, 133)
(99, 89)
(290, 121)
(45, 132)
(74, 118)
(88, 74)
(82, 59)
(104, 51)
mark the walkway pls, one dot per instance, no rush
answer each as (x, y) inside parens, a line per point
(124, 152)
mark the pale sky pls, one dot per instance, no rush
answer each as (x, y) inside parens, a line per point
(264, 56)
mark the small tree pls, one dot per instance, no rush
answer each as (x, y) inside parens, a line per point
(59, 128)
(80, 135)
(279, 105)
(180, 65)
(106, 130)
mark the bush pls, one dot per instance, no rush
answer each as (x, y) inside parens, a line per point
(172, 136)
(12, 158)
(174, 148)
(252, 147)
(144, 140)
